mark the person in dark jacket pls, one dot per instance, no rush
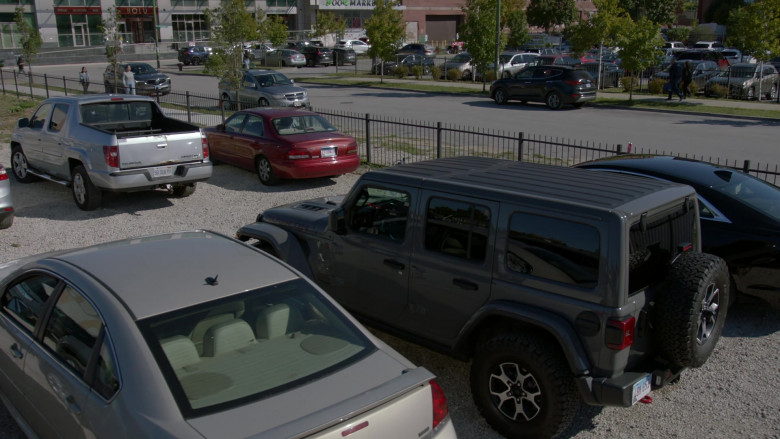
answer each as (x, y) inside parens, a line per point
(687, 78)
(675, 74)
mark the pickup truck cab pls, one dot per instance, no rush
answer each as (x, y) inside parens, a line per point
(113, 143)
(560, 286)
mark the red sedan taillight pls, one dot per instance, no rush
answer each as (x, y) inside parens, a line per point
(111, 154)
(298, 154)
(440, 409)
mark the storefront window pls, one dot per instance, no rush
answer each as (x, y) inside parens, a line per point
(189, 27)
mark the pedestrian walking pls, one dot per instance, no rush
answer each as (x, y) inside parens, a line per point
(246, 60)
(687, 78)
(84, 79)
(20, 63)
(675, 74)
(128, 79)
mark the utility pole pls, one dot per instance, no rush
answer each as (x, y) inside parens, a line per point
(156, 34)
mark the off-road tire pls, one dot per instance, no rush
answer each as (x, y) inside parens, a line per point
(500, 96)
(553, 100)
(183, 190)
(19, 166)
(532, 364)
(690, 309)
(265, 171)
(86, 195)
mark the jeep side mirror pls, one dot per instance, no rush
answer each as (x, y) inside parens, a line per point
(23, 122)
(337, 222)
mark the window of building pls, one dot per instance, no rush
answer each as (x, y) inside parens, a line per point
(189, 27)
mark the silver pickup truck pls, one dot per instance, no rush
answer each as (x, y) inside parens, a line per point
(112, 143)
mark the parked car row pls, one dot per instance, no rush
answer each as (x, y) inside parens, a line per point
(747, 81)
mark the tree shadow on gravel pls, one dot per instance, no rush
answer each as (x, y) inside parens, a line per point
(752, 317)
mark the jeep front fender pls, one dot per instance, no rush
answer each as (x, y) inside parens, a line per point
(529, 316)
(284, 244)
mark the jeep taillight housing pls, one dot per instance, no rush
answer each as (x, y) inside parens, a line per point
(440, 409)
(111, 154)
(620, 333)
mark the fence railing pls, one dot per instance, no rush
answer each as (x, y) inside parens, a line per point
(386, 141)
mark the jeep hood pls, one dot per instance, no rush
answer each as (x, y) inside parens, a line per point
(303, 215)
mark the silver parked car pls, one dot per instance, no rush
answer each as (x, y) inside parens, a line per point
(460, 62)
(196, 335)
(264, 88)
(285, 58)
(747, 81)
(6, 203)
(512, 62)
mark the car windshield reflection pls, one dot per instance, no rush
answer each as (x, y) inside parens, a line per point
(310, 123)
(267, 80)
(751, 191)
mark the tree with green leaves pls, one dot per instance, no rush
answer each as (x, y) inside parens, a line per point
(514, 18)
(113, 43)
(231, 26)
(640, 44)
(550, 13)
(679, 33)
(658, 11)
(755, 29)
(272, 28)
(329, 23)
(605, 27)
(30, 37)
(385, 29)
(478, 33)
(720, 11)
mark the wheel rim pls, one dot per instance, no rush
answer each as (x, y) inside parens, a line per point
(708, 316)
(264, 169)
(751, 93)
(499, 96)
(515, 392)
(773, 92)
(20, 165)
(553, 101)
(79, 189)
(263, 102)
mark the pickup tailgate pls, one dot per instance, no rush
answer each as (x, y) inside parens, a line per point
(159, 150)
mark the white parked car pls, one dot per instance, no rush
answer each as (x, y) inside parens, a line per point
(358, 46)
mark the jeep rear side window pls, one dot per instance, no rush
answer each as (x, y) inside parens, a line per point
(380, 212)
(457, 228)
(558, 250)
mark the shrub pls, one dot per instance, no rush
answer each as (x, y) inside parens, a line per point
(694, 87)
(718, 91)
(401, 72)
(629, 82)
(454, 74)
(656, 86)
(436, 72)
(417, 71)
(490, 76)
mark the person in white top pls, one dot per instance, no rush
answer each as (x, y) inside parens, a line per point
(128, 79)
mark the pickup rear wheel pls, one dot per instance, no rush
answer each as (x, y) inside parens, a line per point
(690, 309)
(20, 166)
(85, 194)
(522, 385)
(265, 171)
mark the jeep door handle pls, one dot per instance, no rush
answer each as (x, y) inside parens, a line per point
(394, 264)
(15, 351)
(465, 284)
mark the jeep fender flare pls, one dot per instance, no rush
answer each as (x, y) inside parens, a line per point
(284, 244)
(528, 316)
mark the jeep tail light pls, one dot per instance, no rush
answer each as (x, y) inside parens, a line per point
(440, 409)
(204, 142)
(111, 154)
(620, 333)
(298, 154)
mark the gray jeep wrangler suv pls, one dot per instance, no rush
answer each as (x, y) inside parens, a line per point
(562, 285)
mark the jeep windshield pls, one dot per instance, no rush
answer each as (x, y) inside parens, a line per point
(272, 79)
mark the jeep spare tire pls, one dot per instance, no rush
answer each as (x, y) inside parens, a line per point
(690, 309)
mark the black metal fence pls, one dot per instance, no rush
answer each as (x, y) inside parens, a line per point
(386, 141)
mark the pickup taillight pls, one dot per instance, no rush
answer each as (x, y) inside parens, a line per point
(3, 174)
(111, 154)
(204, 141)
(620, 333)
(440, 409)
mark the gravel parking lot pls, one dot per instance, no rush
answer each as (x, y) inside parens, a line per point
(734, 395)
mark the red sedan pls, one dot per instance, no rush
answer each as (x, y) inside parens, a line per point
(281, 143)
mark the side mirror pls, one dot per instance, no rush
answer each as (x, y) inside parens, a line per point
(337, 221)
(23, 122)
(292, 81)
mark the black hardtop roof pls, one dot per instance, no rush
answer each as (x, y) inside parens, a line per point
(505, 179)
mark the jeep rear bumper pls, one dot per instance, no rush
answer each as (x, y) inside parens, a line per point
(621, 391)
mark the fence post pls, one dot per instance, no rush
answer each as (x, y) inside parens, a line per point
(618, 149)
(2, 80)
(30, 83)
(46, 84)
(746, 166)
(520, 146)
(222, 109)
(16, 83)
(368, 138)
(438, 140)
(189, 110)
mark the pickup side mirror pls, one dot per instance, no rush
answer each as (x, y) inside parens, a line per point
(337, 222)
(23, 122)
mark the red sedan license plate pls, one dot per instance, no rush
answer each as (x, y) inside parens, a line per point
(328, 152)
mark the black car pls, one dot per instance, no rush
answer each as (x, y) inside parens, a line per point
(740, 216)
(409, 61)
(342, 55)
(416, 49)
(148, 80)
(194, 55)
(317, 55)
(703, 55)
(555, 85)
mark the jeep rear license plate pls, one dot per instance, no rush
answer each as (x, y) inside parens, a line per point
(329, 151)
(162, 171)
(641, 389)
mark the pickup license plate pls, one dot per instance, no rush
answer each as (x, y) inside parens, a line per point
(641, 389)
(162, 171)
(297, 104)
(329, 151)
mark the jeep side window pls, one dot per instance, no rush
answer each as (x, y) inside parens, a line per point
(554, 249)
(457, 228)
(380, 212)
